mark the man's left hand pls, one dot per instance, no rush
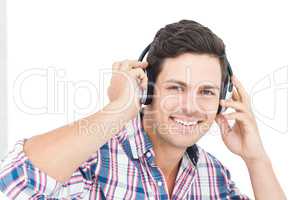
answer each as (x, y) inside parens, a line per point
(243, 138)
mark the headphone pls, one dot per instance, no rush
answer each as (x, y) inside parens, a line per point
(225, 93)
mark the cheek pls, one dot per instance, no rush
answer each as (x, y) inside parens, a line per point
(169, 103)
(208, 106)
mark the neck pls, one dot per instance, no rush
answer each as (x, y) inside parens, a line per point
(167, 157)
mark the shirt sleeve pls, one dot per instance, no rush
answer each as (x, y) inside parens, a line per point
(226, 185)
(234, 192)
(20, 179)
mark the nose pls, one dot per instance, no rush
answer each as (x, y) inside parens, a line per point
(188, 103)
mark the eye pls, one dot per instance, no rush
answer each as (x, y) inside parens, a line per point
(176, 88)
(207, 92)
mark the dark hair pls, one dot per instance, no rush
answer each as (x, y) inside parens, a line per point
(185, 36)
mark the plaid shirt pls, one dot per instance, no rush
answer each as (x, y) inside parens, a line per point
(123, 168)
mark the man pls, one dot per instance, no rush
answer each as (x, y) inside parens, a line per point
(125, 152)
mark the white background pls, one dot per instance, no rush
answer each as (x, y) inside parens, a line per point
(77, 39)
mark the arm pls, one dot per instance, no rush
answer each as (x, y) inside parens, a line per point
(20, 179)
(264, 182)
(243, 139)
(90, 133)
(45, 164)
(60, 164)
(73, 144)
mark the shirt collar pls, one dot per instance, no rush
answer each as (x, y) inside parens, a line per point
(137, 139)
(140, 143)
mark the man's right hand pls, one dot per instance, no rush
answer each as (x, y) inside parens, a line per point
(128, 78)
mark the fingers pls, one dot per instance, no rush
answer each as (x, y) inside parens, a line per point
(116, 66)
(241, 117)
(235, 95)
(242, 93)
(133, 67)
(141, 76)
(240, 107)
(234, 104)
(223, 124)
(129, 64)
(239, 103)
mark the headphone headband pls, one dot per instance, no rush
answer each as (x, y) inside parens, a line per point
(144, 52)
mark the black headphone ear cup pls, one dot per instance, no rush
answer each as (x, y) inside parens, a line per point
(219, 109)
(226, 94)
(150, 86)
(143, 97)
(222, 95)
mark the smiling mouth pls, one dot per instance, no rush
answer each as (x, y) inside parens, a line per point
(185, 123)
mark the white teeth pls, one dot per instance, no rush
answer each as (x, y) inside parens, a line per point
(185, 123)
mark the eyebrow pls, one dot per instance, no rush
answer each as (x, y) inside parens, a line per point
(185, 85)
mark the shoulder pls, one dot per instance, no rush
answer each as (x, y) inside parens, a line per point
(211, 162)
(217, 175)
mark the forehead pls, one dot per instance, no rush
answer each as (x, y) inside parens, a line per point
(192, 69)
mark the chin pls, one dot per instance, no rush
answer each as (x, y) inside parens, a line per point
(181, 131)
(182, 137)
(180, 142)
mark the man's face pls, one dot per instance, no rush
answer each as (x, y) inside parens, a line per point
(186, 98)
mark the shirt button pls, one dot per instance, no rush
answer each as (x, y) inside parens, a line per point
(159, 183)
(148, 154)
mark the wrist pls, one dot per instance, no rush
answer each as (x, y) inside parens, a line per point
(259, 161)
(124, 109)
